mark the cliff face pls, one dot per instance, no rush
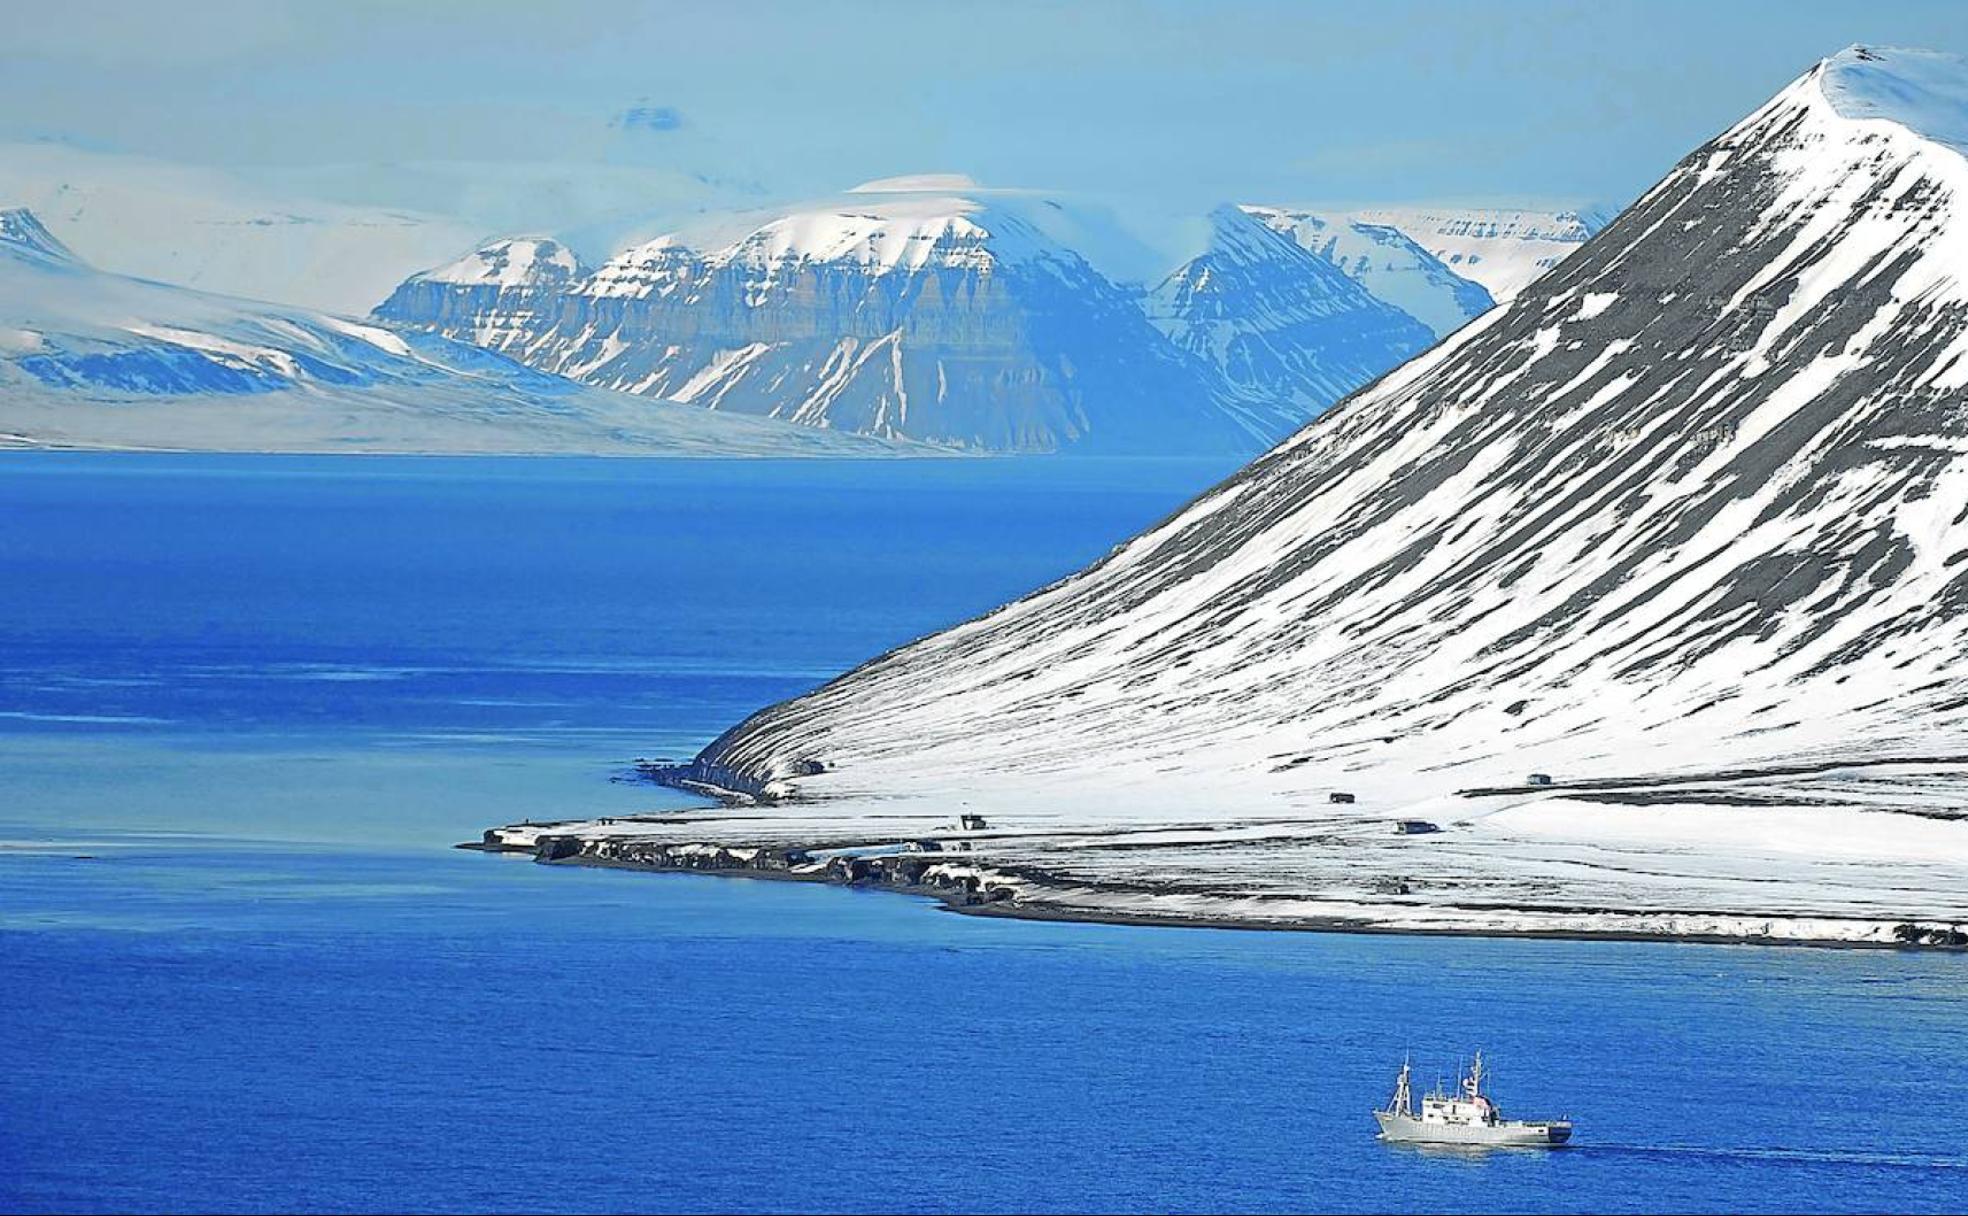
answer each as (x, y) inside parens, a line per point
(494, 297)
(964, 319)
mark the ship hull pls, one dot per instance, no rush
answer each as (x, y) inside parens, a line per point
(1401, 1129)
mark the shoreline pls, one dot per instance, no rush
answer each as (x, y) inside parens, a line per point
(957, 898)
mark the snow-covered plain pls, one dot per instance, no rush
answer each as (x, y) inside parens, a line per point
(1682, 526)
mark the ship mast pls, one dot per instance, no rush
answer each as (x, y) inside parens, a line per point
(1403, 1102)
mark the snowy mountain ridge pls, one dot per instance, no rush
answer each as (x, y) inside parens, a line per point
(892, 311)
(930, 308)
(1922, 91)
(23, 236)
(521, 261)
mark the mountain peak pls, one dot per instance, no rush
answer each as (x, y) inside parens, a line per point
(1286, 329)
(1924, 91)
(909, 234)
(878, 232)
(1236, 232)
(23, 235)
(1386, 261)
(523, 261)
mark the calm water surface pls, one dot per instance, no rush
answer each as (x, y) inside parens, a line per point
(245, 703)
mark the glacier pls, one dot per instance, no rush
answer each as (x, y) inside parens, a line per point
(1645, 588)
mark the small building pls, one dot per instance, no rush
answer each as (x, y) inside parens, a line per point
(1338, 796)
(1538, 779)
(1414, 827)
(971, 823)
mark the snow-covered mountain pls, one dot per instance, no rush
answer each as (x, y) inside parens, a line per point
(1386, 262)
(1502, 248)
(90, 359)
(1683, 526)
(899, 310)
(1289, 332)
(205, 229)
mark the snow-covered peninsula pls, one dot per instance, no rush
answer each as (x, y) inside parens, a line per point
(1635, 607)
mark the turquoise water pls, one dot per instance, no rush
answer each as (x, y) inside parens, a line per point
(246, 703)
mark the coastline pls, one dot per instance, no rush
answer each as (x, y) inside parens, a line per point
(970, 890)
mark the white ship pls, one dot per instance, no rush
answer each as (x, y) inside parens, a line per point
(1466, 1117)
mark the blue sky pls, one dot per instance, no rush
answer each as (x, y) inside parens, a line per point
(513, 110)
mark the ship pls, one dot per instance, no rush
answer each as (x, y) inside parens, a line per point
(1466, 1118)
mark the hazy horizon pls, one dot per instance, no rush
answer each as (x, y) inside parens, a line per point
(506, 121)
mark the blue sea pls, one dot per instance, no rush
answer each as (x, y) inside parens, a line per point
(247, 703)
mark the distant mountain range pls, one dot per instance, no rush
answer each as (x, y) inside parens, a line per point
(90, 359)
(922, 308)
(935, 310)
(953, 319)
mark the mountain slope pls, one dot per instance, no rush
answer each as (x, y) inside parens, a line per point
(1387, 263)
(897, 311)
(89, 359)
(1289, 332)
(1683, 525)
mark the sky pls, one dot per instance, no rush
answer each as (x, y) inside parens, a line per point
(534, 116)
